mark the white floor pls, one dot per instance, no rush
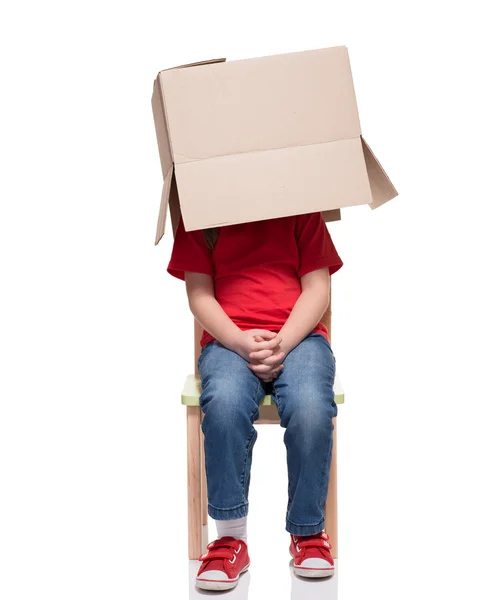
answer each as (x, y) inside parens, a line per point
(291, 586)
(265, 579)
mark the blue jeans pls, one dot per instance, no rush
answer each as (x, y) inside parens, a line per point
(230, 399)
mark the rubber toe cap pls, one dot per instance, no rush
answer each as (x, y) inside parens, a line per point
(214, 575)
(316, 563)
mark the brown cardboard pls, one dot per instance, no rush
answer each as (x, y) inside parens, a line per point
(261, 138)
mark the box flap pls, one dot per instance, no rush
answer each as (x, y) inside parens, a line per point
(197, 64)
(163, 209)
(275, 183)
(331, 215)
(251, 105)
(162, 135)
(174, 205)
(380, 184)
(161, 127)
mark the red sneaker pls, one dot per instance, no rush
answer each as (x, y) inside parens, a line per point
(312, 555)
(226, 558)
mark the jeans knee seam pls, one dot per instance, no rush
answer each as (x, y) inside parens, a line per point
(248, 448)
(327, 471)
(277, 400)
(255, 399)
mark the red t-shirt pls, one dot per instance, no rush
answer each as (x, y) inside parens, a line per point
(256, 267)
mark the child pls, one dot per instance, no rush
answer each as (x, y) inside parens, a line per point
(259, 291)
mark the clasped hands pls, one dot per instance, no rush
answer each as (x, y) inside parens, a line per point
(263, 351)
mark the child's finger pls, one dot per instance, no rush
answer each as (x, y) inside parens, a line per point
(265, 333)
(272, 375)
(276, 359)
(269, 359)
(264, 353)
(264, 369)
(260, 354)
(260, 368)
(266, 344)
(269, 344)
(277, 371)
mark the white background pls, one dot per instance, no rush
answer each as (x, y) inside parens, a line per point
(96, 337)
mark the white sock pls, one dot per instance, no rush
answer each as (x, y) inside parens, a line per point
(234, 527)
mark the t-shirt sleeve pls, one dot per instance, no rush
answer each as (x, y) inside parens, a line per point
(316, 248)
(190, 253)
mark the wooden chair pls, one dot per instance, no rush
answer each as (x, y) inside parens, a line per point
(196, 473)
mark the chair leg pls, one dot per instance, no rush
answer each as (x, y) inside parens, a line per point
(204, 496)
(194, 482)
(331, 504)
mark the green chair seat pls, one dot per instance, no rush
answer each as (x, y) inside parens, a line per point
(192, 391)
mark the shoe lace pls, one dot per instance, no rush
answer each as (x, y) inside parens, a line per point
(222, 548)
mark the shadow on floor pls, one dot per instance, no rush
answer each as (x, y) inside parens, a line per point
(301, 588)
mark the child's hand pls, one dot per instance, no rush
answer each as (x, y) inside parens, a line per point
(260, 348)
(266, 363)
(246, 342)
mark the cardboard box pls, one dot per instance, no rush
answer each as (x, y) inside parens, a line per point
(261, 138)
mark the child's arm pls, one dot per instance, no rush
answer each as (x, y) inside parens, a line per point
(211, 316)
(208, 311)
(308, 310)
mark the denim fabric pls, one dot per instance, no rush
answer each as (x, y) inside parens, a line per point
(230, 399)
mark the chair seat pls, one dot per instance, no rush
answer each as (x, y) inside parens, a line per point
(193, 389)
